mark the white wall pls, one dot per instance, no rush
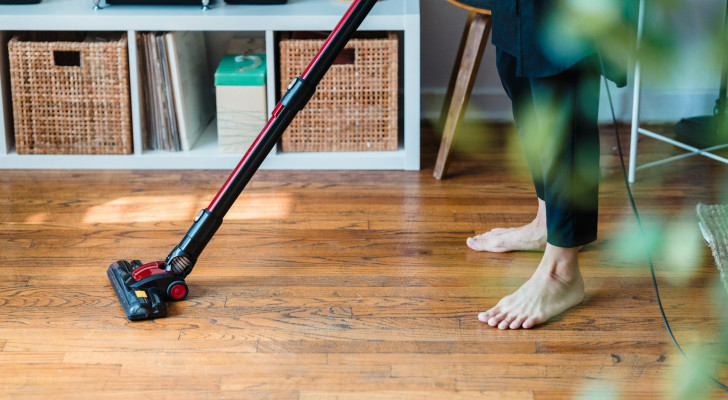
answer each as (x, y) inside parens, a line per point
(692, 91)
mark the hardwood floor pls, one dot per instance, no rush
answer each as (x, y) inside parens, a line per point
(352, 285)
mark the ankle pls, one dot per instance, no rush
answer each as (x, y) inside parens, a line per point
(561, 263)
(539, 222)
(562, 272)
(540, 219)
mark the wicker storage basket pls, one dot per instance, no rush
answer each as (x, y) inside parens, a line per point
(70, 93)
(355, 107)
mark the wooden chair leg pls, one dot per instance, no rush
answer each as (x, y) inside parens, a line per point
(461, 85)
(454, 74)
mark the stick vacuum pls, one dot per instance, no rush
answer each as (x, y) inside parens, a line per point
(143, 288)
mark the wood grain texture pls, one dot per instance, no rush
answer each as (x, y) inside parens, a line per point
(346, 285)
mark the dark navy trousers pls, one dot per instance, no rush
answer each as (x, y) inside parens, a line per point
(557, 122)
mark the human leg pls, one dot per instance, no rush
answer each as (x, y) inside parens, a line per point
(567, 107)
(531, 236)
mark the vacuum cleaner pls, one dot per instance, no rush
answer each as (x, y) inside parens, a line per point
(144, 289)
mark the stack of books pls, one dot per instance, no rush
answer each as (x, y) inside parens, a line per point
(177, 95)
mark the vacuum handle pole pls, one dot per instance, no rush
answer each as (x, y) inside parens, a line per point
(184, 255)
(299, 92)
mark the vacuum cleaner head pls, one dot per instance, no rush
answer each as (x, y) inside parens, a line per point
(143, 288)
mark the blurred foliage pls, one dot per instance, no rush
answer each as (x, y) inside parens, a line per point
(669, 38)
(671, 44)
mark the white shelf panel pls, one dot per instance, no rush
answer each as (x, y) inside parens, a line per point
(204, 155)
(6, 127)
(392, 160)
(371, 160)
(296, 15)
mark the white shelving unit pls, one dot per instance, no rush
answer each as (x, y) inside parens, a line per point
(297, 15)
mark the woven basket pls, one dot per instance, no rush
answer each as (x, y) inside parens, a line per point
(355, 107)
(70, 93)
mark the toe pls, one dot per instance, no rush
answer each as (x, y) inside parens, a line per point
(529, 323)
(493, 311)
(494, 321)
(478, 243)
(518, 322)
(506, 322)
(484, 316)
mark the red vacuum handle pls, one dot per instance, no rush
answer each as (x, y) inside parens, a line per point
(299, 94)
(184, 255)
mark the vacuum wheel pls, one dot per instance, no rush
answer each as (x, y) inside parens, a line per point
(177, 290)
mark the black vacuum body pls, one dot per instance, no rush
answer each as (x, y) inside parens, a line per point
(143, 289)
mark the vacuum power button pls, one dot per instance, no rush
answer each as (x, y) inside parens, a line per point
(199, 215)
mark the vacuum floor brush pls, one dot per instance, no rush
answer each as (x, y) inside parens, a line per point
(142, 288)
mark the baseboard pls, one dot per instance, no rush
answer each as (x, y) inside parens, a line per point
(657, 106)
(485, 103)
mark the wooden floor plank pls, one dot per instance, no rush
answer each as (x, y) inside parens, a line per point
(363, 380)
(414, 395)
(102, 344)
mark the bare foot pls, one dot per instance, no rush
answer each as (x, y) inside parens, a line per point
(527, 237)
(555, 287)
(501, 240)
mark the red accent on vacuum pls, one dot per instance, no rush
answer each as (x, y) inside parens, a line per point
(147, 270)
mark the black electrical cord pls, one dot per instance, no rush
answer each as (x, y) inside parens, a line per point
(642, 231)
